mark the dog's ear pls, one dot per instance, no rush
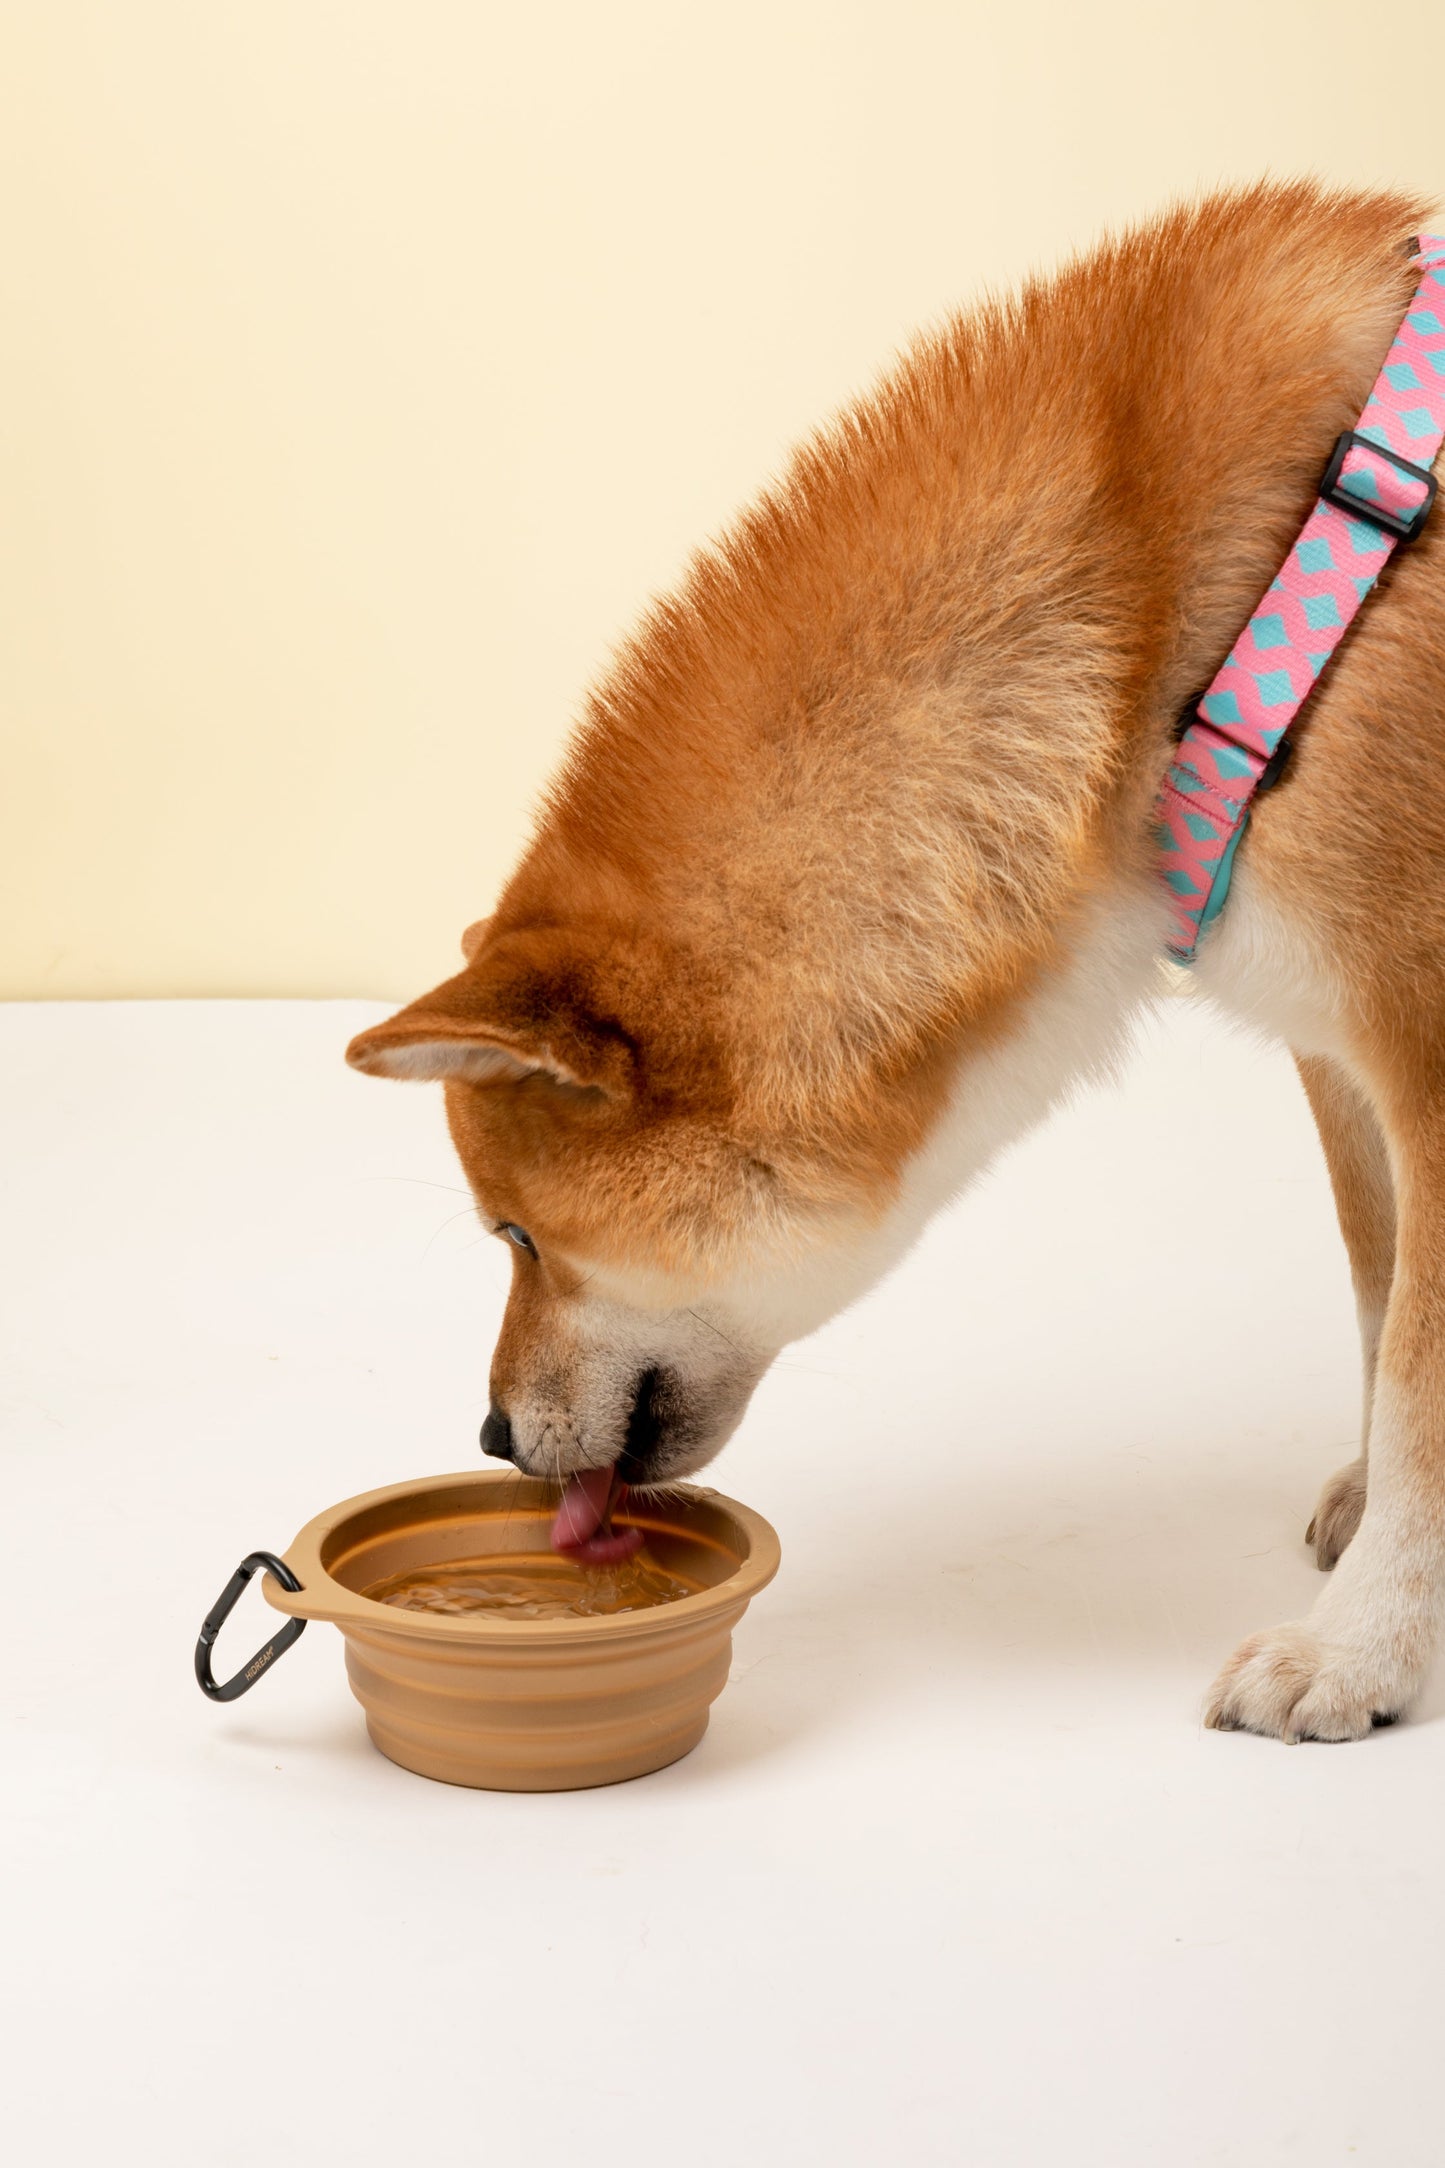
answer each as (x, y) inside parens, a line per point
(474, 936)
(523, 1007)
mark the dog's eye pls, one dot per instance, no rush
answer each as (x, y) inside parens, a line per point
(519, 1235)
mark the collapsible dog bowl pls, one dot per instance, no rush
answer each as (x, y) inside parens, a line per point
(508, 1703)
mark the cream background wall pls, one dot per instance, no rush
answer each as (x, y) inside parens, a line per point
(365, 366)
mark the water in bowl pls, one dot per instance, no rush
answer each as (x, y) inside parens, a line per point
(532, 1585)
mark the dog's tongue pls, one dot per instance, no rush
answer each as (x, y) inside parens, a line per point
(583, 1527)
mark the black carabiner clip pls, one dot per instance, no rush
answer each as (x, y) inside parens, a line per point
(220, 1611)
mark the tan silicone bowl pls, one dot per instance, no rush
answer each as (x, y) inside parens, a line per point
(527, 1705)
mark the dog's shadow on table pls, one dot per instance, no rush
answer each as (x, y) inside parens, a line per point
(957, 1592)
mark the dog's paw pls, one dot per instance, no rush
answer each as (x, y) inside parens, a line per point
(1337, 1516)
(1290, 1684)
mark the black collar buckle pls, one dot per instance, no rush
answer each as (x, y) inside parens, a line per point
(1404, 526)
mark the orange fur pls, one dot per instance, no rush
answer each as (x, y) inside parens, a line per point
(839, 797)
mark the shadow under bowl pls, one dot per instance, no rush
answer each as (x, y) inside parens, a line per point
(522, 1704)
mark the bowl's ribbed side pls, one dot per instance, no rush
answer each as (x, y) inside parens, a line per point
(541, 1716)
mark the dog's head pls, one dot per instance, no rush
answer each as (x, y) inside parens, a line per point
(662, 1247)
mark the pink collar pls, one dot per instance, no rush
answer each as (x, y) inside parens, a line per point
(1375, 493)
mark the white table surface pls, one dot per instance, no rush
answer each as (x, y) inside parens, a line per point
(956, 1875)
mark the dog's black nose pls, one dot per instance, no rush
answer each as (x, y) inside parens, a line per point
(497, 1433)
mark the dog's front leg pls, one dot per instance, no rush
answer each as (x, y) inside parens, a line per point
(1359, 1164)
(1359, 1656)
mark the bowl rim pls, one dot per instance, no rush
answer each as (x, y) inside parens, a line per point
(320, 1596)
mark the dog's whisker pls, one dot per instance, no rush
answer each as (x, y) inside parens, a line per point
(707, 1321)
(419, 1181)
(438, 1232)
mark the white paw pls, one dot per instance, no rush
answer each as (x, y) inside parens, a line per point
(1337, 1516)
(1290, 1684)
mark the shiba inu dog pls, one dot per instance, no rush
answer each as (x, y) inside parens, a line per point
(851, 871)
